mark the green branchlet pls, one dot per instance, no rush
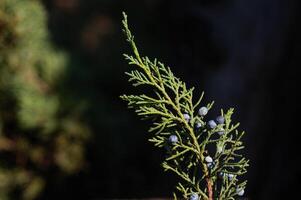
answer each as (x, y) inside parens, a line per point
(171, 101)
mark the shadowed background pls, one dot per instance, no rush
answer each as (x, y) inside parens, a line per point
(66, 134)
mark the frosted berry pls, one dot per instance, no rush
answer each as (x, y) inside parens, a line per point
(220, 120)
(208, 159)
(194, 196)
(221, 132)
(203, 111)
(186, 117)
(210, 165)
(173, 139)
(240, 191)
(198, 125)
(212, 124)
(230, 176)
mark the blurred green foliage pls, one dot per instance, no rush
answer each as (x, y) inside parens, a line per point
(39, 138)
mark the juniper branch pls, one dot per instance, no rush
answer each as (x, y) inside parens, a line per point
(172, 111)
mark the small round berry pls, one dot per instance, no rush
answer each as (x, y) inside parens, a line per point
(198, 125)
(240, 191)
(212, 124)
(221, 132)
(210, 165)
(194, 196)
(173, 139)
(208, 159)
(220, 120)
(230, 176)
(186, 117)
(203, 111)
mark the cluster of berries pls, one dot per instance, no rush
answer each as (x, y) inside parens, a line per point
(211, 123)
(195, 196)
(173, 139)
(209, 162)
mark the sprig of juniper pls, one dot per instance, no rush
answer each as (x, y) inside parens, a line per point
(203, 154)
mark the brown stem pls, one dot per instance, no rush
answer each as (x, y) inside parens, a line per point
(209, 187)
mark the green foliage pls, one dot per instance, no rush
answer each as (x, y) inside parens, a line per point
(167, 108)
(36, 134)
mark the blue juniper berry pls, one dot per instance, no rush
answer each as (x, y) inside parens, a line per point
(186, 117)
(240, 191)
(194, 196)
(221, 132)
(220, 120)
(173, 139)
(203, 111)
(230, 176)
(198, 125)
(212, 124)
(208, 159)
(210, 165)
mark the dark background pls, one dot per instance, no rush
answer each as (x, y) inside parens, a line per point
(243, 54)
